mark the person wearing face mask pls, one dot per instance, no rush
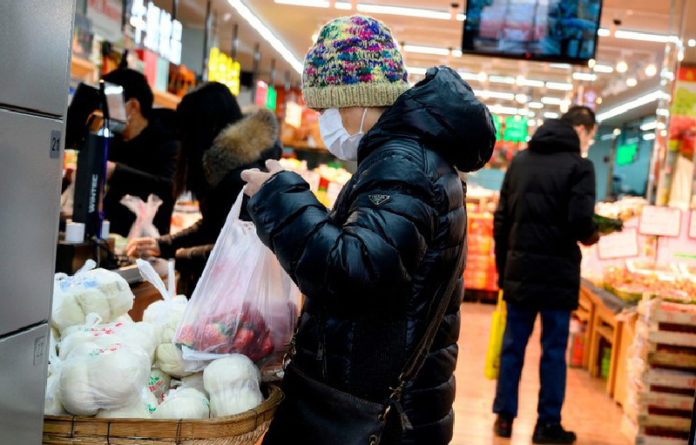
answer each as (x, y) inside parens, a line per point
(546, 207)
(386, 263)
(142, 160)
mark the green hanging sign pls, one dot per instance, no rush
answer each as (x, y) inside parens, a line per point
(271, 97)
(515, 129)
(626, 153)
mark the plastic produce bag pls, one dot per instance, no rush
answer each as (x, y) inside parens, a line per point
(169, 359)
(495, 343)
(233, 385)
(159, 383)
(244, 302)
(95, 377)
(140, 409)
(183, 403)
(167, 313)
(144, 215)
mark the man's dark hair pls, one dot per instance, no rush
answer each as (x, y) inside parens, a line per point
(580, 115)
(134, 85)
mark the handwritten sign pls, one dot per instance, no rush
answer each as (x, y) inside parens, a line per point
(660, 221)
(618, 245)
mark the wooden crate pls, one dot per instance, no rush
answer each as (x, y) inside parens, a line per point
(644, 436)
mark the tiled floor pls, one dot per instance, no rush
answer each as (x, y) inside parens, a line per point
(588, 411)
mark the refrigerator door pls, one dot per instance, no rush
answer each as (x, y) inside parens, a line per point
(22, 383)
(36, 38)
(30, 166)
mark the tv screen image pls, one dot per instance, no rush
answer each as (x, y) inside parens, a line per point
(551, 30)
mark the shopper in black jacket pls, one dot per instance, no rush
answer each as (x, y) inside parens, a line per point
(546, 208)
(217, 144)
(393, 246)
(142, 161)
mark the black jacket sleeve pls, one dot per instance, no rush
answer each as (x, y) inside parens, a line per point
(582, 201)
(378, 249)
(501, 229)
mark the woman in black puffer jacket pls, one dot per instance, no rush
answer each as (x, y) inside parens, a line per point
(394, 245)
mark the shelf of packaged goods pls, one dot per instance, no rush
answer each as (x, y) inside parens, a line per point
(166, 100)
(83, 69)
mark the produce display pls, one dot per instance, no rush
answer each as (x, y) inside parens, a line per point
(623, 209)
(643, 279)
(233, 385)
(183, 403)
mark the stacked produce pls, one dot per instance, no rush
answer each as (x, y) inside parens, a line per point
(643, 279)
(480, 272)
(115, 368)
(623, 209)
(661, 374)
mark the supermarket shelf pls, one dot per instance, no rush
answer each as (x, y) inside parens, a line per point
(166, 100)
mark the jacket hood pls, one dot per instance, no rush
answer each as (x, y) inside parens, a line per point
(442, 112)
(555, 136)
(239, 144)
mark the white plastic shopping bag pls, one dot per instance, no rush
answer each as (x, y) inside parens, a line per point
(144, 215)
(244, 302)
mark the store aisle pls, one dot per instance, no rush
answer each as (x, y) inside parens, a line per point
(588, 411)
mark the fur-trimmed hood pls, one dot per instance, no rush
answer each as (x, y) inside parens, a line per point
(239, 144)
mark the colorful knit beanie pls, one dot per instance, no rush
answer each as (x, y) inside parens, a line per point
(355, 63)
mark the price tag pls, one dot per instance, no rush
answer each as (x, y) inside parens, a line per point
(660, 221)
(692, 225)
(618, 245)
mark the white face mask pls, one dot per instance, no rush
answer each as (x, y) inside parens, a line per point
(341, 144)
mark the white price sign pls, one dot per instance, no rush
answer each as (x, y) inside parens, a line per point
(618, 245)
(156, 31)
(660, 221)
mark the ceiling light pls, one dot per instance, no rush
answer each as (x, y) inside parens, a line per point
(662, 112)
(585, 76)
(521, 98)
(314, 3)
(591, 63)
(603, 32)
(601, 68)
(502, 79)
(633, 104)
(649, 137)
(564, 106)
(661, 125)
(499, 109)
(426, 50)
(560, 66)
(621, 67)
(599, 100)
(416, 70)
(537, 105)
(560, 86)
(551, 115)
(399, 10)
(267, 34)
(650, 70)
(648, 126)
(346, 6)
(482, 76)
(691, 43)
(631, 82)
(644, 36)
(470, 76)
(551, 100)
(456, 53)
(680, 55)
(461, 17)
(494, 94)
(617, 132)
(606, 137)
(521, 81)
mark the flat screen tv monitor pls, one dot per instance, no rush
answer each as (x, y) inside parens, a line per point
(544, 30)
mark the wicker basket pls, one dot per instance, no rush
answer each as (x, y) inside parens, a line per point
(243, 429)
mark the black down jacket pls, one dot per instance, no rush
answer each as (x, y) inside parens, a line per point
(241, 145)
(546, 207)
(392, 248)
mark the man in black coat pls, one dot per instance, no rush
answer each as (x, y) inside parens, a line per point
(546, 208)
(142, 161)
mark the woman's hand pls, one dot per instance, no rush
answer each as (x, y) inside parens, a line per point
(255, 178)
(143, 247)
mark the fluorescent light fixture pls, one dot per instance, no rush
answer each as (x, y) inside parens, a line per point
(399, 10)
(661, 125)
(521, 98)
(646, 37)
(551, 100)
(472, 76)
(606, 137)
(551, 115)
(680, 54)
(631, 82)
(632, 104)
(426, 50)
(343, 5)
(537, 105)
(591, 63)
(267, 34)
(502, 79)
(560, 86)
(621, 67)
(313, 3)
(601, 68)
(585, 76)
(648, 126)
(461, 17)
(416, 70)
(500, 95)
(499, 109)
(565, 105)
(603, 32)
(649, 137)
(521, 81)
(560, 66)
(456, 53)
(617, 132)
(691, 43)
(662, 112)
(650, 70)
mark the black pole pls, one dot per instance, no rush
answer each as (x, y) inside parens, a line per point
(206, 32)
(255, 71)
(175, 8)
(235, 41)
(124, 12)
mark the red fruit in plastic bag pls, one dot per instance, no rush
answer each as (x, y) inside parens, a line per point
(242, 339)
(186, 335)
(212, 336)
(267, 344)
